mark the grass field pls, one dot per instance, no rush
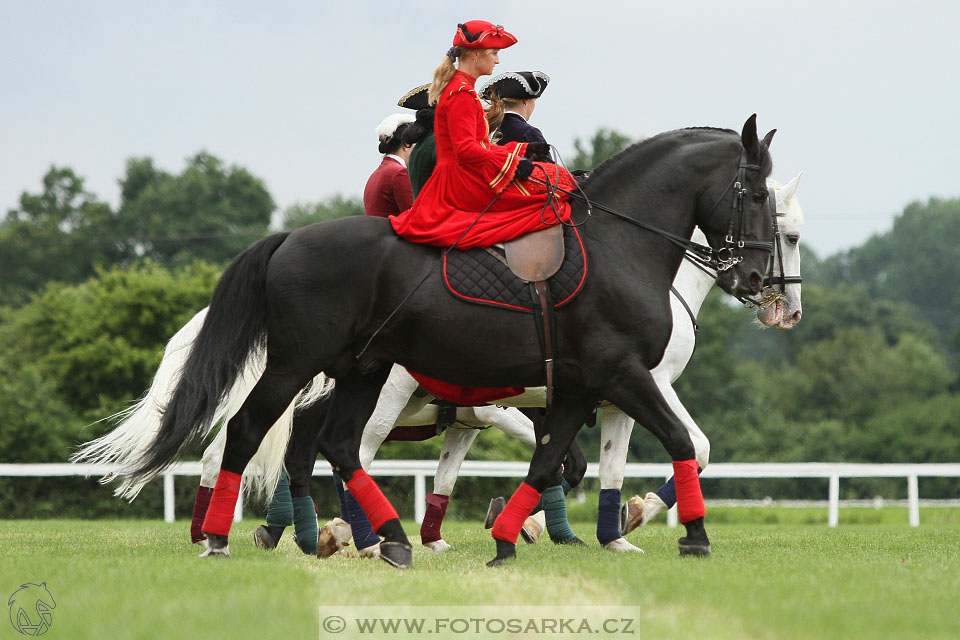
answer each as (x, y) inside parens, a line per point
(142, 579)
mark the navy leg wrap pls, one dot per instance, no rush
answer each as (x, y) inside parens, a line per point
(608, 516)
(668, 492)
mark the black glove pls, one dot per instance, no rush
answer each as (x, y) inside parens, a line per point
(524, 169)
(537, 151)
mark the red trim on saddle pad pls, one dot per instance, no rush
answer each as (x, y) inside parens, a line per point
(371, 499)
(689, 497)
(466, 396)
(510, 521)
(222, 504)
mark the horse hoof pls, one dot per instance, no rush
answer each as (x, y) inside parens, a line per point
(216, 546)
(693, 548)
(573, 542)
(636, 512)
(531, 531)
(621, 545)
(437, 546)
(496, 506)
(397, 554)
(332, 537)
(505, 551)
(263, 540)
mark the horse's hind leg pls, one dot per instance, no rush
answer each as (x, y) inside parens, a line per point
(353, 401)
(564, 420)
(265, 404)
(456, 444)
(291, 502)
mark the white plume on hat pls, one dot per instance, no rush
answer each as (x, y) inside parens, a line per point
(388, 126)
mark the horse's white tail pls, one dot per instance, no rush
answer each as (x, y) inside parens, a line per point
(138, 425)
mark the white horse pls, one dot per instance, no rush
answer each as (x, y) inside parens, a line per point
(398, 406)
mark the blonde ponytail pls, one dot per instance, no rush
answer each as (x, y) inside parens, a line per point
(441, 78)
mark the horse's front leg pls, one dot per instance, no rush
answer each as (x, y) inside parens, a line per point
(353, 401)
(636, 393)
(615, 430)
(638, 512)
(567, 415)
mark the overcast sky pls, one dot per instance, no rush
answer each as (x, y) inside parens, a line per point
(865, 95)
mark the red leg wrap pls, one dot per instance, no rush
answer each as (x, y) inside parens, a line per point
(510, 521)
(433, 518)
(371, 499)
(200, 504)
(689, 498)
(222, 504)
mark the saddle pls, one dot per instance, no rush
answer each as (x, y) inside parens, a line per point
(529, 274)
(485, 276)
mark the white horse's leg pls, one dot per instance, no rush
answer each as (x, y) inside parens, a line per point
(615, 430)
(510, 420)
(397, 393)
(456, 443)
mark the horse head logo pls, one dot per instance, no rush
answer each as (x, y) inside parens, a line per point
(30, 609)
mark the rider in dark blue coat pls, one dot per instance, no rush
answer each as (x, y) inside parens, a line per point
(514, 95)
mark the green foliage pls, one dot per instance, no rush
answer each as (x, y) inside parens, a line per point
(209, 211)
(60, 233)
(96, 345)
(912, 263)
(336, 206)
(604, 144)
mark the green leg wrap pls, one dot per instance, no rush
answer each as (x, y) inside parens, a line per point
(566, 486)
(305, 527)
(280, 511)
(555, 510)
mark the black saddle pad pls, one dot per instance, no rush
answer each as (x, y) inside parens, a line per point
(478, 276)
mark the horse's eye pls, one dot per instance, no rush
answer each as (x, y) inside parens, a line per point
(760, 196)
(793, 238)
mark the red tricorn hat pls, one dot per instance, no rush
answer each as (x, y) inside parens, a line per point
(480, 34)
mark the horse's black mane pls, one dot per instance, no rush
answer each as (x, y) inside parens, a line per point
(604, 166)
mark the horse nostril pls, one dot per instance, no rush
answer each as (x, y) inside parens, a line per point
(756, 280)
(796, 316)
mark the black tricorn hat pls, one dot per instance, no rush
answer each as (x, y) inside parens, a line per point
(520, 85)
(416, 98)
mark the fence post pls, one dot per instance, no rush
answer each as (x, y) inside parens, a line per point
(913, 498)
(419, 497)
(168, 498)
(833, 517)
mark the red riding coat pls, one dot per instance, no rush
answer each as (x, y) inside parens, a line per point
(469, 175)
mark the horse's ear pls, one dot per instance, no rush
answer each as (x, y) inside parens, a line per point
(767, 139)
(749, 135)
(790, 189)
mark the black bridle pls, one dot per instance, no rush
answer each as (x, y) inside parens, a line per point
(703, 256)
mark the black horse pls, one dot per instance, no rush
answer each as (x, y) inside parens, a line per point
(348, 297)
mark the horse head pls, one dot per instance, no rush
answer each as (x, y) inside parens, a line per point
(784, 308)
(738, 225)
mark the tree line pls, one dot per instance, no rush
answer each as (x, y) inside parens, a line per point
(90, 293)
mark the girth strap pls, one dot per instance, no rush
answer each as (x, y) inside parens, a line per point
(544, 320)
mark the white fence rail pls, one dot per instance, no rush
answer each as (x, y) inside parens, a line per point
(420, 469)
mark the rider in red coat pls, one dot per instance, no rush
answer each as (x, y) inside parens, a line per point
(477, 185)
(388, 191)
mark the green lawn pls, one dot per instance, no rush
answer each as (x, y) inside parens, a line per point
(142, 579)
